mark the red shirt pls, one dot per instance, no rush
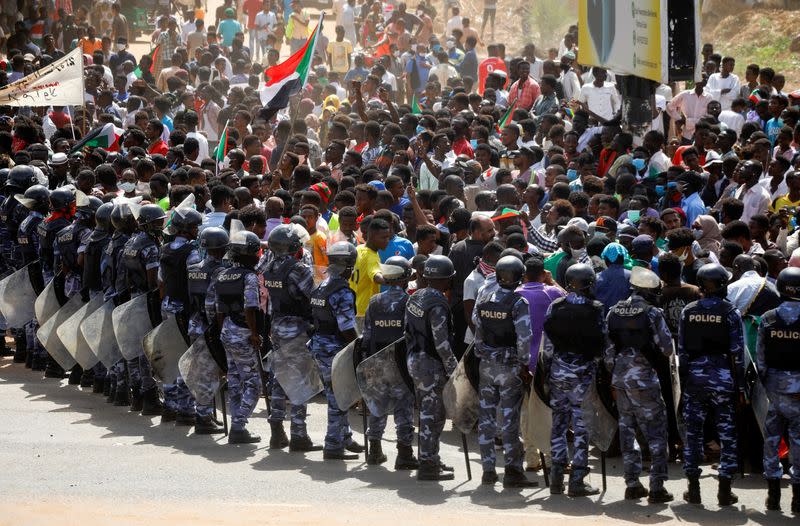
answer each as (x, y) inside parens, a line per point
(158, 147)
(252, 7)
(677, 159)
(607, 157)
(463, 147)
(60, 119)
(486, 67)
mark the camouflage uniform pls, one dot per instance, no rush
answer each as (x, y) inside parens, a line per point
(93, 247)
(502, 342)
(115, 286)
(12, 214)
(70, 242)
(568, 359)
(286, 327)
(782, 382)
(177, 396)
(27, 249)
(244, 379)
(333, 298)
(710, 336)
(638, 332)
(430, 362)
(390, 304)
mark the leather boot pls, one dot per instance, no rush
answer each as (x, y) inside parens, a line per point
(692, 494)
(29, 360)
(405, 458)
(107, 386)
(338, 454)
(724, 495)
(168, 415)
(515, 478)
(303, 444)
(278, 438)
(151, 405)
(75, 375)
(489, 478)
(98, 384)
(432, 471)
(242, 436)
(796, 498)
(87, 378)
(773, 494)
(185, 419)
(376, 455)
(636, 492)
(122, 396)
(137, 401)
(556, 479)
(52, 369)
(577, 484)
(354, 447)
(205, 425)
(20, 349)
(659, 496)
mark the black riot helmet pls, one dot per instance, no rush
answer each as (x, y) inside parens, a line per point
(284, 240)
(712, 278)
(88, 209)
(102, 217)
(122, 218)
(396, 269)
(4, 176)
(62, 198)
(214, 238)
(185, 221)
(341, 258)
(151, 219)
(509, 271)
(789, 284)
(244, 243)
(20, 178)
(37, 198)
(580, 278)
(438, 267)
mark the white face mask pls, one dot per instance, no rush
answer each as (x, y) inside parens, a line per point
(127, 187)
(683, 256)
(697, 233)
(142, 187)
(578, 253)
(120, 47)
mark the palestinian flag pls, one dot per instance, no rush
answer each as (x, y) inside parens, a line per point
(289, 77)
(415, 109)
(153, 56)
(507, 117)
(105, 137)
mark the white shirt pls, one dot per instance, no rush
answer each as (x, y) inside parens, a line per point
(732, 120)
(202, 152)
(783, 189)
(716, 83)
(571, 84)
(391, 80)
(658, 122)
(603, 101)
(756, 200)
(690, 105)
(188, 27)
(536, 69)
(472, 284)
(266, 22)
(454, 23)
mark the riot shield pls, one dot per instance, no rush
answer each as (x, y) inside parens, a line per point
(49, 338)
(597, 418)
(343, 376)
(381, 381)
(676, 383)
(460, 394)
(17, 298)
(163, 347)
(70, 335)
(131, 323)
(200, 371)
(296, 370)
(98, 331)
(540, 416)
(46, 304)
(755, 392)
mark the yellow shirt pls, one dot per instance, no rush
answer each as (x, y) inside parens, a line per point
(368, 264)
(784, 202)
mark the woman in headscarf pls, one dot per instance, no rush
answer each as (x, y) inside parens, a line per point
(707, 233)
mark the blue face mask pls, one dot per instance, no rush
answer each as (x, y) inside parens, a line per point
(420, 129)
(572, 174)
(660, 190)
(638, 164)
(473, 143)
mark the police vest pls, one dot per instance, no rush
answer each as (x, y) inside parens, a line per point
(629, 327)
(497, 321)
(321, 310)
(173, 269)
(418, 323)
(12, 214)
(25, 238)
(707, 331)
(387, 324)
(199, 278)
(92, 259)
(575, 328)
(114, 251)
(230, 293)
(134, 265)
(276, 280)
(69, 241)
(47, 231)
(781, 342)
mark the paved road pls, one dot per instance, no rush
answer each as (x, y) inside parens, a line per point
(68, 457)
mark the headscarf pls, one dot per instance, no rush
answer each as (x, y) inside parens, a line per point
(711, 238)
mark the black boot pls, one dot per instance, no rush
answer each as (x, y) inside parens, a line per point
(136, 399)
(87, 378)
(53, 370)
(168, 415)
(432, 471)
(151, 405)
(107, 387)
(692, 495)
(242, 436)
(489, 478)
(122, 396)
(556, 479)
(29, 360)
(636, 492)
(659, 496)
(774, 494)
(302, 444)
(20, 350)
(278, 439)
(405, 458)
(515, 478)
(185, 419)
(795, 498)
(75, 375)
(205, 425)
(376, 456)
(338, 454)
(354, 447)
(724, 495)
(98, 384)
(577, 484)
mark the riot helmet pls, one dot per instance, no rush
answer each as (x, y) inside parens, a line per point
(37, 197)
(341, 258)
(214, 238)
(151, 219)
(580, 278)
(509, 271)
(284, 240)
(438, 267)
(712, 278)
(789, 284)
(396, 269)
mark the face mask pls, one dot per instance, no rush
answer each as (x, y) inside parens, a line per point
(578, 253)
(660, 190)
(697, 233)
(473, 143)
(572, 174)
(396, 54)
(451, 45)
(143, 187)
(634, 215)
(638, 164)
(683, 256)
(420, 129)
(120, 47)
(436, 48)
(127, 187)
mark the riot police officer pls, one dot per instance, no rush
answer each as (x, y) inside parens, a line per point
(502, 343)
(141, 260)
(710, 354)
(638, 334)
(429, 341)
(214, 241)
(568, 359)
(778, 362)
(384, 324)
(176, 256)
(333, 308)
(289, 282)
(237, 303)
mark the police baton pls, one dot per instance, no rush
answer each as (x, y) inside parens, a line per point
(466, 455)
(603, 469)
(545, 471)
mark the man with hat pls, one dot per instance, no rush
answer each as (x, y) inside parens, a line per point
(59, 167)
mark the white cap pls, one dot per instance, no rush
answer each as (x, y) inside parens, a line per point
(58, 158)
